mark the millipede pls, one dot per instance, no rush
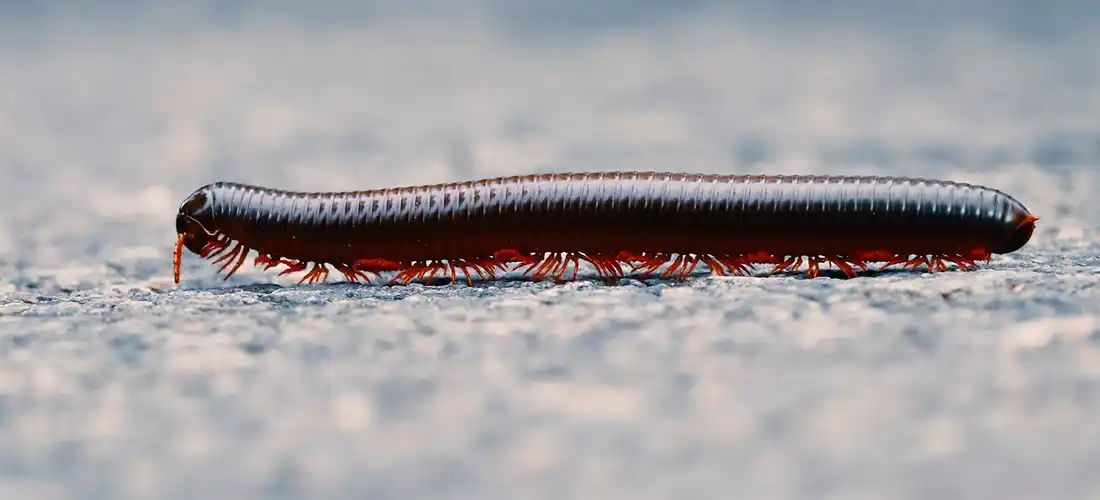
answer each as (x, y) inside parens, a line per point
(621, 223)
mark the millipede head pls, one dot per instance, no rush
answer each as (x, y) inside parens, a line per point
(195, 226)
(195, 220)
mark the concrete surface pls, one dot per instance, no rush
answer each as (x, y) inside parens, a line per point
(116, 384)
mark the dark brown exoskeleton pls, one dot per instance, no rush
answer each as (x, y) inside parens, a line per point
(548, 223)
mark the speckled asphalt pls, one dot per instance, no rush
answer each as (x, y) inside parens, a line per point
(116, 383)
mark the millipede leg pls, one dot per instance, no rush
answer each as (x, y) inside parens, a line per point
(431, 271)
(612, 268)
(630, 258)
(601, 271)
(964, 263)
(551, 265)
(650, 265)
(615, 266)
(526, 266)
(544, 267)
(791, 262)
(454, 274)
(597, 262)
(293, 267)
(844, 266)
(893, 261)
(560, 263)
(713, 264)
(483, 270)
(670, 270)
(687, 273)
(465, 267)
(559, 269)
(937, 264)
(319, 272)
(353, 275)
(812, 268)
(417, 271)
(858, 262)
(214, 247)
(532, 269)
(611, 265)
(264, 261)
(228, 256)
(570, 259)
(239, 251)
(917, 261)
(240, 261)
(377, 266)
(414, 271)
(489, 266)
(739, 266)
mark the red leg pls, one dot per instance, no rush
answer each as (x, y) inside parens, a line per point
(689, 269)
(240, 261)
(294, 267)
(739, 266)
(353, 275)
(916, 262)
(228, 257)
(713, 264)
(844, 266)
(416, 272)
(214, 247)
(650, 265)
(791, 262)
(377, 266)
(812, 268)
(893, 261)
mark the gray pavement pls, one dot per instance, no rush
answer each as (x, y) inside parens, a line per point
(115, 383)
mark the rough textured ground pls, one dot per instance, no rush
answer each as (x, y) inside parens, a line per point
(116, 384)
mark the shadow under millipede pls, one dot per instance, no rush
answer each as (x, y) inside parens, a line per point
(265, 288)
(620, 281)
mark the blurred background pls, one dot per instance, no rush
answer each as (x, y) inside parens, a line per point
(113, 111)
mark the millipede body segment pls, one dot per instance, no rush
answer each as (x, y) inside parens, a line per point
(619, 222)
